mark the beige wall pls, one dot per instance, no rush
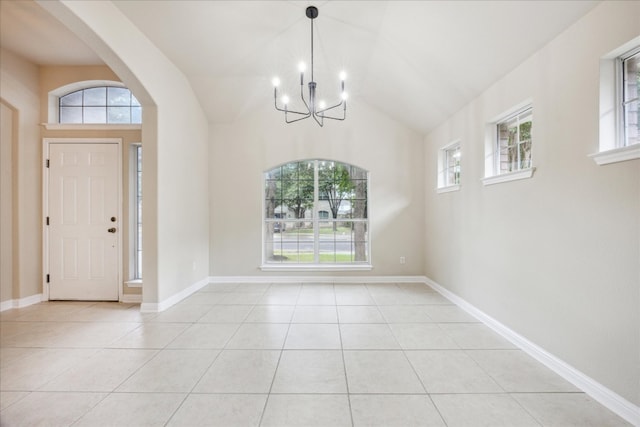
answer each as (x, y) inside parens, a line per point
(240, 152)
(174, 134)
(7, 117)
(557, 257)
(54, 77)
(19, 89)
(27, 278)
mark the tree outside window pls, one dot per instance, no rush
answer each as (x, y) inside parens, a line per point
(514, 142)
(316, 213)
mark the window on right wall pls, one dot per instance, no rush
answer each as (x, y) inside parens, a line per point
(449, 168)
(619, 133)
(509, 146)
(513, 140)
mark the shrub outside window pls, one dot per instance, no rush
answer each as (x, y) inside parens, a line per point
(316, 213)
(514, 142)
(100, 105)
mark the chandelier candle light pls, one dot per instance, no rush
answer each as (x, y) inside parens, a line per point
(316, 109)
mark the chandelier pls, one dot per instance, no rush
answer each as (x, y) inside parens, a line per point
(314, 108)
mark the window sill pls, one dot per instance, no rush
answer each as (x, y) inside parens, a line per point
(83, 126)
(511, 176)
(448, 189)
(617, 155)
(316, 267)
(136, 283)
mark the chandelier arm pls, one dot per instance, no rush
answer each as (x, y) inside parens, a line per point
(344, 111)
(286, 110)
(335, 118)
(302, 96)
(320, 122)
(296, 112)
(331, 108)
(306, 116)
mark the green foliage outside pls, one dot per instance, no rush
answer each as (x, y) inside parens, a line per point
(306, 257)
(322, 230)
(291, 188)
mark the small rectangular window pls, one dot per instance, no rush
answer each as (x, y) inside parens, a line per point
(449, 168)
(508, 145)
(619, 124)
(514, 142)
(452, 165)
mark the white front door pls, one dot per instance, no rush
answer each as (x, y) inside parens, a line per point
(84, 227)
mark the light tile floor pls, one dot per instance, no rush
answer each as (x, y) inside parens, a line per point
(277, 355)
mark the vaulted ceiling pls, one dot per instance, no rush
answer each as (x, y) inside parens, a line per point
(417, 61)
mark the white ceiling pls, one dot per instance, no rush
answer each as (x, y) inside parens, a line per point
(418, 61)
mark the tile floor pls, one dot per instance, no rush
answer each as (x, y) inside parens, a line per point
(277, 355)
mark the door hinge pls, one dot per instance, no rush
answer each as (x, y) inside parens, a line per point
(47, 220)
(47, 278)
(47, 163)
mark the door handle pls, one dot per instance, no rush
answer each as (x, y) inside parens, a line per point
(112, 230)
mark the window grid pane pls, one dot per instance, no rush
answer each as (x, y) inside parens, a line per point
(73, 99)
(331, 229)
(70, 114)
(95, 97)
(100, 105)
(514, 142)
(94, 115)
(452, 166)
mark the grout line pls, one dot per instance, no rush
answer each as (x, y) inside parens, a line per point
(344, 363)
(30, 331)
(275, 372)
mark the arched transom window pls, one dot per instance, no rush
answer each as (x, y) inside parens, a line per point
(100, 105)
(316, 213)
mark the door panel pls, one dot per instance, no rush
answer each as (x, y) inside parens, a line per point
(82, 199)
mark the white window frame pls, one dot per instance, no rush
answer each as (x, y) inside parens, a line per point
(623, 97)
(445, 154)
(135, 263)
(316, 266)
(493, 175)
(53, 112)
(612, 142)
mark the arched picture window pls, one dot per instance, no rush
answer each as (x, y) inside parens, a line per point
(100, 105)
(316, 213)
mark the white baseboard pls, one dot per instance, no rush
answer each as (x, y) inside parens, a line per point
(597, 391)
(131, 298)
(317, 279)
(150, 307)
(20, 303)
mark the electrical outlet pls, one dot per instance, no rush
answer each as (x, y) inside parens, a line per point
(402, 260)
(194, 266)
